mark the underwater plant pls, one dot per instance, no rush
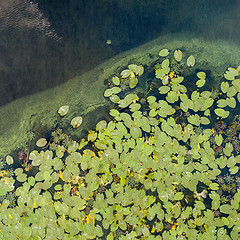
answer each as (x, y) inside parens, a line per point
(164, 165)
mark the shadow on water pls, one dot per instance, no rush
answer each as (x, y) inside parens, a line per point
(45, 43)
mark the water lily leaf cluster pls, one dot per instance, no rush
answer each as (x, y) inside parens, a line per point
(152, 170)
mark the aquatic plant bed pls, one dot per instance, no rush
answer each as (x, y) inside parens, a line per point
(164, 164)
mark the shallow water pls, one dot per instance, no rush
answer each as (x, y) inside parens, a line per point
(44, 44)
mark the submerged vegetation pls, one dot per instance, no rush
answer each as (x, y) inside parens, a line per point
(165, 165)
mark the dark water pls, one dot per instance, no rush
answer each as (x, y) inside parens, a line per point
(45, 43)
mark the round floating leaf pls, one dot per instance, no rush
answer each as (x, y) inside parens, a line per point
(113, 90)
(206, 94)
(231, 91)
(200, 83)
(130, 98)
(27, 232)
(31, 181)
(41, 142)
(135, 107)
(116, 90)
(60, 151)
(135, 132)
(22, 177)
(178, 196)
(191, 61)
(231, 73)
(228, 149)
(151, 99)
(224, 87)
(165, 80)
(93, 186)
(9, 160)
(178, 55)
(114, 112)
(226, 208)
(164, 52)
(201, 75)
(101, 125)
(76, 122)
(114, 98)
(46, 176)
(194, 119)
(163, 196)
(125, 73)
(136, 69)
(204, 120)
(231, 102)
(234, 170)
(213, 186)
(63, 110)
(221, 112)
(133, 82)
(18, 171)
(133, 67)
(222, 103)
(116, 80)
(218, 139)
(164, 89)
(108, 93)
(165, 63)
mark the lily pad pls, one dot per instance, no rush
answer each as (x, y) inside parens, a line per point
(125, 73)
(116, 80)
(200, 83)
(201, 75)
(224, 87)
(164, 52)
(41, 142)
(178, 55)
(9, 160)
(191, 61)
(63, 110)
(76, 122)
(221, 112)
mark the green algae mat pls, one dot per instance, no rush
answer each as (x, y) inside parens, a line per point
(145, 146)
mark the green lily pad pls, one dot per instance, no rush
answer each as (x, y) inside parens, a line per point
(201, 75)
(164, 89)
(224, 87)
(136, 69)
(133, 82)
(231, 73)
(165, 63)
(213, 186)
(135, 107)
(178, 55)
(22, 177)
(191, 61)
(218, 139)
(125, 73)
(178, 196)
(200, 83)
(231, 102)
(221, 112)
(163, 52)
(116, 80)
(63, 110)
(76, 122)
(234, 170)
(9, 160)
(232, 91)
